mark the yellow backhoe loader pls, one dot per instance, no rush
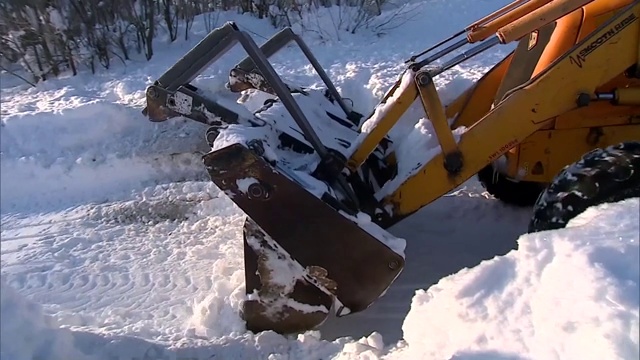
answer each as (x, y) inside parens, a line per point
(555, 125)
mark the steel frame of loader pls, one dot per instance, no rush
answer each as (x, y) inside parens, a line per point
(172, 95)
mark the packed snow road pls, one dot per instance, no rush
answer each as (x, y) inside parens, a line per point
(116, 245)
(455, 232)
(173, 253)
(130, 284)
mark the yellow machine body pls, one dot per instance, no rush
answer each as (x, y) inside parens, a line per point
(535, 112)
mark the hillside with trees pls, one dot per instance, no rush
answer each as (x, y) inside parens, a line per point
(44, 38)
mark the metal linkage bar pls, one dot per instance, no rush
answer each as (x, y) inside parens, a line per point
(440, 54)
(282, 39)
(281, 90)
(214, 46)
(476, 50)
(331, 166)
(457, 59)
(201, 56)
(269, 48)
(171, 93)
(413, 58)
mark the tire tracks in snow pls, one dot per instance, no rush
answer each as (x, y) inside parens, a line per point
(27, 186)
(139, 266)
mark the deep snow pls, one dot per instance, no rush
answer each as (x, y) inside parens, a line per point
(116, 245)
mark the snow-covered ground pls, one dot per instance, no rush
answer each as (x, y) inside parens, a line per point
(116, 246)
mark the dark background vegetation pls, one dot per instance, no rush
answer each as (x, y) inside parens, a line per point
(44, 38)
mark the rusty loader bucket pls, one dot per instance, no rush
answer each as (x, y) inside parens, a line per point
(309, 248)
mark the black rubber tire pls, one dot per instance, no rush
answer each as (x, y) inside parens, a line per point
(601, 176)
(512, 192)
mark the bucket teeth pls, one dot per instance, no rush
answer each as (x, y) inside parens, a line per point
(279, 296)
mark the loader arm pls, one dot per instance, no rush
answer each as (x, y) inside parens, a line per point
(599, 57)
(507, 25)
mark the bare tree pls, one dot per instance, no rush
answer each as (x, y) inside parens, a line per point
(50, 37)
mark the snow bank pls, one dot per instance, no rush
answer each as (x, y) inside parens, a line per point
(567, 294)
(82, 143)
(27, 334)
